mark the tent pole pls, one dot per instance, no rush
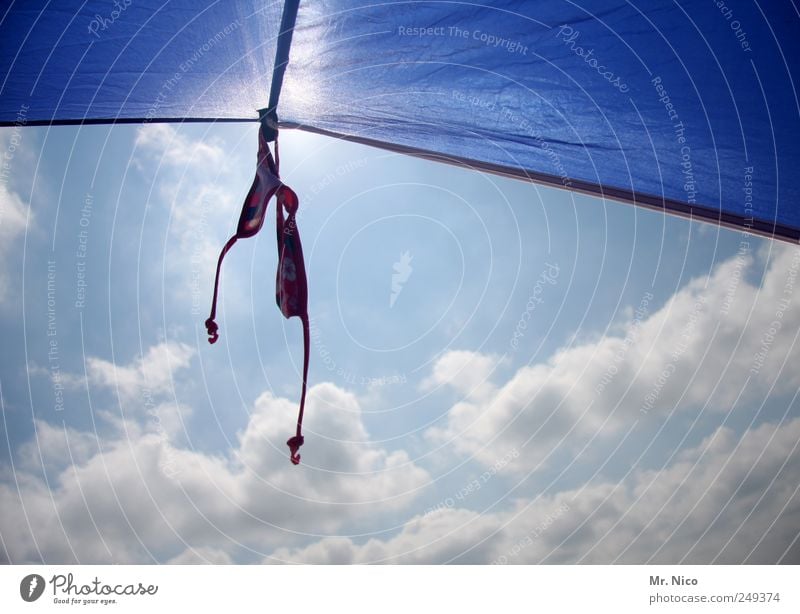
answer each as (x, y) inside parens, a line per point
(284, 45)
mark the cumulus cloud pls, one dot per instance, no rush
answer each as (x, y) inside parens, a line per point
(55, 447)
(201, 556)
(464, 371)
(142, 498)
(153, 372)
(170, 147)
(719, 342)
(13, 215)
(728, 500)
(725, 343)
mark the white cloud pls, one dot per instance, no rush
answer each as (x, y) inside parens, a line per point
(696, 352)
(464, 371)
(728, 500)
(201, 556)
(173, 148)
(171, 419)
(147, 375)
(66, 379)
(145, 499)
(13, 220)
(12, 214)
(55, 447)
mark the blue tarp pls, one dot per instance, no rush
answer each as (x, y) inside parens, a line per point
(136, 60)
(691, 107)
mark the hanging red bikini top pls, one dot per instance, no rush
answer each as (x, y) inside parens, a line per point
(291, 285)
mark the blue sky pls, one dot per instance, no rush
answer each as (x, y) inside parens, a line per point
(556, 379)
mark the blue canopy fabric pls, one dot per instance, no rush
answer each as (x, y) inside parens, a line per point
(133, 61)
(687, 107)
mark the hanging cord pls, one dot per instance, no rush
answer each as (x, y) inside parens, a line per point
(295, 442)
(291, 288)
(211, 325)
(265, 184)
(298, 440)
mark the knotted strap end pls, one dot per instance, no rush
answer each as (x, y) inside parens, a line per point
(211, 329)
(294, 446)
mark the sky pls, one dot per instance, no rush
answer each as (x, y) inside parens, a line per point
(500, 372)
